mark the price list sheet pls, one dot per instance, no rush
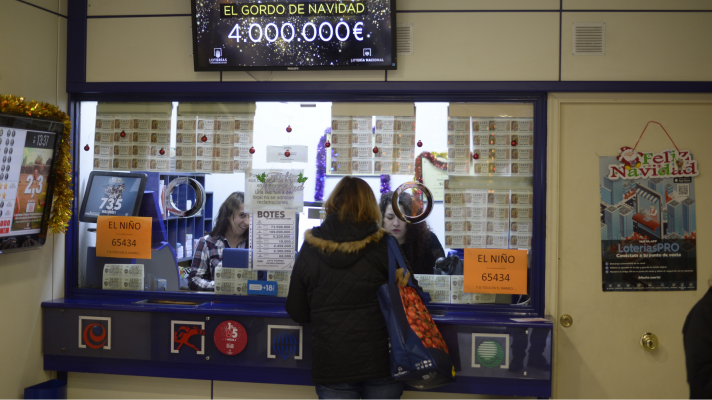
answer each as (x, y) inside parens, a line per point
(273, 239)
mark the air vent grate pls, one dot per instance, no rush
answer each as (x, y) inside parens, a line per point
(404, 39)
(589, 39)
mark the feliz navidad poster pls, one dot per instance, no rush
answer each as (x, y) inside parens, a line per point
(647, 212)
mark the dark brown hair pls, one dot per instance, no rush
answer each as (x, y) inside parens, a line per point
(229, 207)
(416, 235)
(353, 200)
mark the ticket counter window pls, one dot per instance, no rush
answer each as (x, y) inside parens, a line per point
(476, 160)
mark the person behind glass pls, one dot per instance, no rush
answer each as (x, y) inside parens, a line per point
(334, 285)
(230, 231)
(419, 244)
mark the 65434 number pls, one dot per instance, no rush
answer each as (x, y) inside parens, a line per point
(494, 277)
(123, 242)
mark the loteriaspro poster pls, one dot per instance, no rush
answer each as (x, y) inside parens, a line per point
(648, 229)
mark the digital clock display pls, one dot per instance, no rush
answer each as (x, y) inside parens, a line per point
(293, 35)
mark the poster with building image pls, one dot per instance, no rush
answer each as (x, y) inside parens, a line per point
(647, 215)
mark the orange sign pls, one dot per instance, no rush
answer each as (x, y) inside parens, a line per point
(123, 237)
(495, 271)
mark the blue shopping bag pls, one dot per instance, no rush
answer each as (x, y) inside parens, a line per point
(419, 355)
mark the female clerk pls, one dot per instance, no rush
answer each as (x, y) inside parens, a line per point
(230, 231)
(419, 244)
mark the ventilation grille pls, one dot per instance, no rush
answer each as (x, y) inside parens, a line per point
(589, 39)
(404, 39)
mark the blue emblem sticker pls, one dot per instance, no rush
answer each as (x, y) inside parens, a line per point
(285, 341)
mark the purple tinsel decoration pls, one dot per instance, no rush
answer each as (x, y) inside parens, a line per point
(385, 184)
(320, 167)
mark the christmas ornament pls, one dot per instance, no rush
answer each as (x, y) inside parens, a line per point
(61, 212)
(375, 150)
(321, 166)
(86, 148)
(289, 128)
(162, 152)
(287, 153)
(204, 139)
(385, 184)
(476, 156)
(629, 157)
(514, 142)
(122, 134)
(252, 150)
(327, 144)
(420, 143)
(431, 157)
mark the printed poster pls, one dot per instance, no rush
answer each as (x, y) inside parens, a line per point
(648, 224)
(271, 189)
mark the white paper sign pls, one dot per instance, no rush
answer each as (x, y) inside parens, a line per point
(275, 189)
(278, 154)
(272, 237)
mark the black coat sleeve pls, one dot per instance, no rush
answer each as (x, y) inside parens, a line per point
(697, 339)
(436, 249)
(297, 304)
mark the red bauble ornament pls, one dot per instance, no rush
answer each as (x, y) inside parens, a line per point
(289, 129)
(86, 148)
(287, 153)
(327, 144)
(375, 150)
(252, 150)
(204, 139)
(162, 152)
(514, 142)
(122, 134)
(476, 156)
(420, 143)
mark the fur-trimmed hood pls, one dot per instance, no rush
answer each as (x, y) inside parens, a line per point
(342, 242)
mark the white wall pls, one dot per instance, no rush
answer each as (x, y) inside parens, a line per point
(33, 64)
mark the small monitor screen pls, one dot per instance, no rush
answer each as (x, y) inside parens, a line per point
(240, 35)
(25, 166)
(112, 194)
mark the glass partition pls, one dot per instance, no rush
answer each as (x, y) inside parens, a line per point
(476, 159)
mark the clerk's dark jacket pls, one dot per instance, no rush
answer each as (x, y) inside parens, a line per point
(334, 282)
(697, 339)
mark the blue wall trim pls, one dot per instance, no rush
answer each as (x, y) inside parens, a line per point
(76, 42)
(334, 91)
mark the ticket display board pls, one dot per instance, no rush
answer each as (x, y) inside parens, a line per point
(243, 35)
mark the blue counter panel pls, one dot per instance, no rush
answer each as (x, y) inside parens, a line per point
(496, 356)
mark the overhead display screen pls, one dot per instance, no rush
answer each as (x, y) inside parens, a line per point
(25, 167)
(293, 35)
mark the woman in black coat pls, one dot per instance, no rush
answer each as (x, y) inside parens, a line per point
(334, 282)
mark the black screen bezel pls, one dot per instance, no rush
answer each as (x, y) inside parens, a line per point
(36, 125)
(217, 68)
(137, 204)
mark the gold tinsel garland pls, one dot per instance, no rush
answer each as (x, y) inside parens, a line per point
(63, 193)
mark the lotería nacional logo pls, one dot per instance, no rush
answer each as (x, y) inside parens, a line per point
(284, 341)
(95, 332)
(217, 57)
(490, 350)
(189, 334)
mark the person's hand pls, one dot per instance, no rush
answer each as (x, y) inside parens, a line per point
(402, 280)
